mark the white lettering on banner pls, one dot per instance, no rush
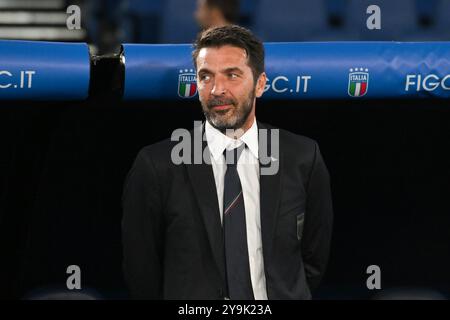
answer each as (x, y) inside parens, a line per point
(7, 73)
(305, 83)
(274, 82)
(428, 83)
(281, 84)
(188, 78)
(358, 77)
(25, 79)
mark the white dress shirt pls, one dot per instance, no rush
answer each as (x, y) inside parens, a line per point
(248, 170)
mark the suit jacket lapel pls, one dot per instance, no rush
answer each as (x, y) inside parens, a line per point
(270, 188)
(202, 179)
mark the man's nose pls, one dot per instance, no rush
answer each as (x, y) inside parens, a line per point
(219, 88)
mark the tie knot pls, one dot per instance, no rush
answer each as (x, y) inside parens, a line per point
(232, 156)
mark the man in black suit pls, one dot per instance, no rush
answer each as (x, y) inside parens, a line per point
(252, 219)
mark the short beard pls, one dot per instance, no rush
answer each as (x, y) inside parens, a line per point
(236, 121)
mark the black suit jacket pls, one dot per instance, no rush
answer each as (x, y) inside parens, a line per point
(172, 234)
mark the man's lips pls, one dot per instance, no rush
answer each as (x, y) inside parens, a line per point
(222, 107)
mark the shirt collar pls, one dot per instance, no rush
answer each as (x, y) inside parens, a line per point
(217, 141)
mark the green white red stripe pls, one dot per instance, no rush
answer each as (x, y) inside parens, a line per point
(187, 89)
(358, 88)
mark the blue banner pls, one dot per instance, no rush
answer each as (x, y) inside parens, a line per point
(35, 70)
(314, 70)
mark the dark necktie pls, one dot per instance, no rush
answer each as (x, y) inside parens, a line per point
(235, 231)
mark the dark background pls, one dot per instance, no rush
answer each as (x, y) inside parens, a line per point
(63, 166)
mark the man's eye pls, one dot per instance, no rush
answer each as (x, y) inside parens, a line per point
(233, 76)
(204, 77)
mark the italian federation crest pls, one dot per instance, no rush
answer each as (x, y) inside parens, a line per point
(358, 82)
(187, 83)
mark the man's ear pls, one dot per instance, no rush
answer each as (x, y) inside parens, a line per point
(260, 85)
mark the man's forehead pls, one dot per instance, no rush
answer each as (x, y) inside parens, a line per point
(226, 52)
